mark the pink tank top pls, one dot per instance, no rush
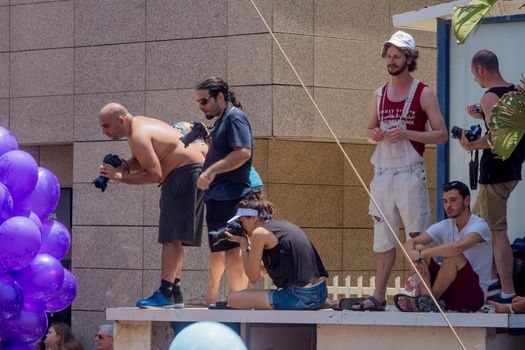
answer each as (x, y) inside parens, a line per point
(416, 118)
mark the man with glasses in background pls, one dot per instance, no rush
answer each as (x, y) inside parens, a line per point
(464, 242)
(225, 179)
(104, 337)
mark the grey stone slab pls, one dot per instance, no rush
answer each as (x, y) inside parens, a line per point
(347, 112)
(4, 112)
(173, 106)
(107, 247)
(292, 16)
(340, 63)
(293, 112)
(243, 18)
(109, 68)
(195, 258)
(102, 288)
(88, 157)
(88, 106)
(300, 51)
(169, 19)
(4, 28)
(42, 120)
(119, 205)
(34, 151)
(59, 160)
(249, 59)
(41, 72)
(151, 205)
(23, 2)
(183, 63)
(257, 102)
(4, 74)
(4, 2)
(39, 26)
(109, 22)
(85, 325)
(358, 19)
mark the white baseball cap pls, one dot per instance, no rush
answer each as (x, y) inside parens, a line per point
(401, 40)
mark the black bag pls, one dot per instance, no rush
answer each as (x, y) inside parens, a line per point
(473, 166)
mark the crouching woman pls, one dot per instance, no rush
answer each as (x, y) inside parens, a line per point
(289, 258)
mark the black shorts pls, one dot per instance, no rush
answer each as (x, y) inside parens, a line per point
(217, 215)
(182, 207)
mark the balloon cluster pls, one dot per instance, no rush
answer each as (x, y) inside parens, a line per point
(32, 279)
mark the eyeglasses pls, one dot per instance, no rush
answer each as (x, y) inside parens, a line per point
(204, 101)
(102, 336)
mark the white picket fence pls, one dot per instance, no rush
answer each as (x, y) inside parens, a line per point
(336, 291)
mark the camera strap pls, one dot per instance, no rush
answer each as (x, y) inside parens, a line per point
(473, 169)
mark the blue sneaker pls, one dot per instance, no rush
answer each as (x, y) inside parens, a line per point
(157, 300)
(499, 299)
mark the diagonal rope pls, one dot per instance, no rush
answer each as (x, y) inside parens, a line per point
(359, 176)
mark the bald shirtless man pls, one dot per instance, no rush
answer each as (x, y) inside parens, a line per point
(158, 156)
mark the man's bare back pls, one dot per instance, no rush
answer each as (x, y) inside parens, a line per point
(164, 139)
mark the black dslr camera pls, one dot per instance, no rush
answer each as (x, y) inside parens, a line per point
(234, 227)
(198, 130)
(102, 181)
(471, 134)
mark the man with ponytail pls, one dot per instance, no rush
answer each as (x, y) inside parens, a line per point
(225, 178)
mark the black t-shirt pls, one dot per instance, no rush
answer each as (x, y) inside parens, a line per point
(494, 170)
(232, 130)
(294, 260)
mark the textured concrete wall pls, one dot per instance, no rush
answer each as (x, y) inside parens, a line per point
(61, 61)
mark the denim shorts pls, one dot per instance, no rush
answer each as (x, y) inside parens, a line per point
(299, 298)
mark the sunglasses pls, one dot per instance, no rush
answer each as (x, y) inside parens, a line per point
(204, 101)
(101, 336)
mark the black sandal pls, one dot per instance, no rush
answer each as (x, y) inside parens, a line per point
(377, 305)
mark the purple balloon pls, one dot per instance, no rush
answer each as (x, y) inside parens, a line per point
(55, 239)
(44, 197)
(3, 335)
(19, 173)
(65, 296)
(20, 241)
(6, 203)
(28, 214)
(11, 297)
(7, 141)
(41, 279)
(17, 345)
(29, 325)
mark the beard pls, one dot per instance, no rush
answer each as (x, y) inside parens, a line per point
(209, 116)
(398, 71)
(454, 214)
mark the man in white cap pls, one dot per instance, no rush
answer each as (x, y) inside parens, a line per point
(397, 124)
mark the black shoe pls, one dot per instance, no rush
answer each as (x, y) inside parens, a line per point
(178, 300)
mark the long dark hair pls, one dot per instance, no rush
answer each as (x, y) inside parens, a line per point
(215, 85)
(64, 333)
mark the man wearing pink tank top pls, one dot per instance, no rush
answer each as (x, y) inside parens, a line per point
(397, 124)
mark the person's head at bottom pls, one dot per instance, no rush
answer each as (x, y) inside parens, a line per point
(57, 335)
(104, 337)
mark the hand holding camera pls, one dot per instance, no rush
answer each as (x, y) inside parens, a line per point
(475, 111)
(198, 131)
(102, 181)
(234, 228)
